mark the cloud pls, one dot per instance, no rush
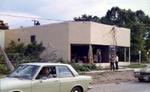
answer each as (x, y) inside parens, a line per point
(9, 17)
(69, 9)
(66, 9)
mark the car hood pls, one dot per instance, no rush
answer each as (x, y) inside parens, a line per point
(13, 83)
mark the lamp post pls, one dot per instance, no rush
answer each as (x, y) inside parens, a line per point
(139, 56)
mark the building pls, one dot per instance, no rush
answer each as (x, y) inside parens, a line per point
(74, 41)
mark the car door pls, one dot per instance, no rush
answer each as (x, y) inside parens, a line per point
(66, 77)
(51, 84)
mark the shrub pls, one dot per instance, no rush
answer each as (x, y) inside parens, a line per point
(3, 69)
(83, 67)
(90, 66)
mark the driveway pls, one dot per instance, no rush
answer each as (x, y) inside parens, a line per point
(133, 86)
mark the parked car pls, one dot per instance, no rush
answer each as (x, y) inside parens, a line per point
(143, 74)
(44, 77)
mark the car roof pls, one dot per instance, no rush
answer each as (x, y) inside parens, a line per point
(53, 64)
(44, 64)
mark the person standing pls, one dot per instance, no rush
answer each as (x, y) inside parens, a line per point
(95, 58)
(99, 56)
(112, 60)
(116, 62)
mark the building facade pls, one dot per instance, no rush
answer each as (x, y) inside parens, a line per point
(73, 41)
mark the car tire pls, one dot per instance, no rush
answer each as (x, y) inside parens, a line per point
(76, 89)
(141, 80)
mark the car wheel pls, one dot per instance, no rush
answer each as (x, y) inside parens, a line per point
(141, 80)
(76, 89)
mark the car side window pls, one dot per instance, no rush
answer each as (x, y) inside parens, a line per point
(47, 72)
(64, 71)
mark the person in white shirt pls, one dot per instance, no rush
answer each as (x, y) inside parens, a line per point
(116, 62)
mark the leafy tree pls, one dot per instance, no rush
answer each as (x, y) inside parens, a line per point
(20, 53)
(137, 21)
(87, 18)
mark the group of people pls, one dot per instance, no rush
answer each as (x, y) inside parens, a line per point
(114, 62)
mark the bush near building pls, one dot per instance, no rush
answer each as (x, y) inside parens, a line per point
(83, 67)
(19, 53)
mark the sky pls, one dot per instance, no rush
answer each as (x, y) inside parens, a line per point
(64, 10)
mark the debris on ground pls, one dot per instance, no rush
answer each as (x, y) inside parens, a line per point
(111, 77)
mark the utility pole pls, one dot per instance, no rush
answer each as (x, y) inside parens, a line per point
(139, 56)
(7, 61)
(114, 43)
(147, 55)
(36, 22)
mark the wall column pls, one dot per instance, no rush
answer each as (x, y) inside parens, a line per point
(129, 55)
(125, 54)
(90, 54)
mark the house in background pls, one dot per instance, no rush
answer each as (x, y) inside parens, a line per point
(3, 26)
(86, 42)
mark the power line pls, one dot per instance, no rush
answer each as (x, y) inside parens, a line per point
(17, 16)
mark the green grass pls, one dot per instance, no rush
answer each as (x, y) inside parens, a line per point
(136, 66)
(1, 75)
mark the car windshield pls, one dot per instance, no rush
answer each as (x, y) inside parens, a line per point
(25, 72)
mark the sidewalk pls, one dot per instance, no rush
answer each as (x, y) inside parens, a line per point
(120, 69)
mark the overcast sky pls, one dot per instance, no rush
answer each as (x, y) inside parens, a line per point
(62, 9)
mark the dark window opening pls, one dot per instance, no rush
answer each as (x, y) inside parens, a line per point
(79, 53)
(18, 39)
(33, 38)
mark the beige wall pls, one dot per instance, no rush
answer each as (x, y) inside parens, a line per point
(79, 32)
(102, 34)
(96, 33)
(2, 38)
(53, 36)
(59, 36)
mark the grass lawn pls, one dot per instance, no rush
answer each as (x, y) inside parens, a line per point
(2, 75)
(136, 65)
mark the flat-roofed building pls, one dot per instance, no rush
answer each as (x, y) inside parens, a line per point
(74, 41)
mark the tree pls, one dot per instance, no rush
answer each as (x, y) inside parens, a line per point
(138, 22)
(85, 17)
(20, 53)
(6, 59)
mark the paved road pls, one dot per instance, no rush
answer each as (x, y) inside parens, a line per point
(121, 87)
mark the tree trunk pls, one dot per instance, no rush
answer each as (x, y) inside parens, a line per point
(7, 61)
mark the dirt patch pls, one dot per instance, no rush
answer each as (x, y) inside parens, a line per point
(112, 77)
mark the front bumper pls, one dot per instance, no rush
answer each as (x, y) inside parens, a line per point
(142, 75)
